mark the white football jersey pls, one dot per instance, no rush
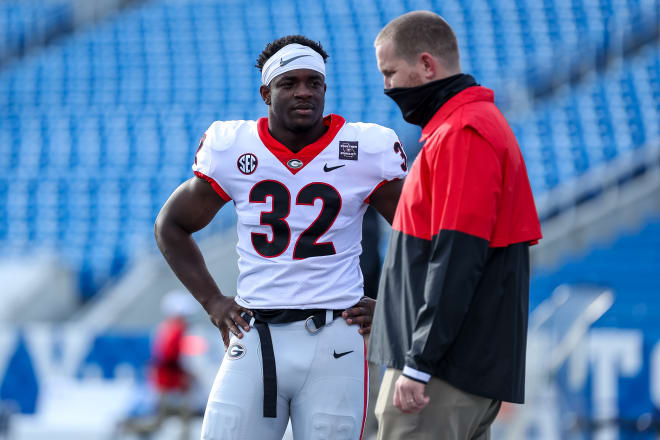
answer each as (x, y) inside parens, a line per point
(299, 214)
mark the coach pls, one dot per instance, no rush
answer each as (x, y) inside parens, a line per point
(451, 318)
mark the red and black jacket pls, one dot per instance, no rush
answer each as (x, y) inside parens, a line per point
(453, 297)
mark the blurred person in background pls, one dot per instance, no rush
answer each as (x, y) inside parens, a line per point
(451, 318)
(171, 384)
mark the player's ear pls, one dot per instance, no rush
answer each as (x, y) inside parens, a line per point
(264, 91)
(429, 65)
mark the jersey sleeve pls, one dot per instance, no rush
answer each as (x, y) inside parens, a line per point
(393, 162)
(207, 159)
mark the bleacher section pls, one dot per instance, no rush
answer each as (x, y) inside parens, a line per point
(28, 23)
(590, 124)
(98, 129)
(168, 52)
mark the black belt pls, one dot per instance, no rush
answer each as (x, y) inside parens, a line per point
(263, 317)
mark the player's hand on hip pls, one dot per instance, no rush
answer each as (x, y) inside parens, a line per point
(226, 315)
(362, 314)
(409, 395)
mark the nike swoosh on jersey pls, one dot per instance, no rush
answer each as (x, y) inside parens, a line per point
(338, 355)
(327, 169)
(284, 63)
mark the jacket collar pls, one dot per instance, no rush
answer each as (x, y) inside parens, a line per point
(471, 94)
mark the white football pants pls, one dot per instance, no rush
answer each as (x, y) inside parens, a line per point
(322, 384)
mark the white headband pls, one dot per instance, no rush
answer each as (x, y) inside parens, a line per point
(292, 57)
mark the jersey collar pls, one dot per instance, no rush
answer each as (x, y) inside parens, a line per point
(308, 152)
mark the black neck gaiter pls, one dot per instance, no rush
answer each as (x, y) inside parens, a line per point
(419, 104)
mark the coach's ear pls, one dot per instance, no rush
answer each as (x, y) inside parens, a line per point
(265, 94)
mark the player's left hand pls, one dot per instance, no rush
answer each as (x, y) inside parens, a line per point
(362, 314)
(409, 395)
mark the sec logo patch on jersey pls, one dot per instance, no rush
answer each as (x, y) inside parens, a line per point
(235, 351)
(247, 163)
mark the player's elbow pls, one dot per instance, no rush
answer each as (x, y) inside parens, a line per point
(386, 206)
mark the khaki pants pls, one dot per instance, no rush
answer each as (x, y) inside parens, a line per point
(371, 424)
(451, 414)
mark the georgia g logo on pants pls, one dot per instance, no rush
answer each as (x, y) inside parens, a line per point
(235, 351)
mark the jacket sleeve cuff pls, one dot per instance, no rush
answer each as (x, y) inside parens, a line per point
(416, 375)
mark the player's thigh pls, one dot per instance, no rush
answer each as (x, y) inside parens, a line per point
(332, 403)
(235, 407)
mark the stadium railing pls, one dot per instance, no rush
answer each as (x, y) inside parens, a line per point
(558, 329)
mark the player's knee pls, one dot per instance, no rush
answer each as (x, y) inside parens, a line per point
(222, 422)
(333, 427)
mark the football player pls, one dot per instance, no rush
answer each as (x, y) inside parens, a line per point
(300, 183)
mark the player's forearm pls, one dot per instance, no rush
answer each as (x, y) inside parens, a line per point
(186, 261)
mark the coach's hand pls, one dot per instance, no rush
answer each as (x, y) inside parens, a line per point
(362, 314)
(409, 395)
(226, 315)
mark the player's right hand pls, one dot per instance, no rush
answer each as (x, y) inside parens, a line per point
(226, 315)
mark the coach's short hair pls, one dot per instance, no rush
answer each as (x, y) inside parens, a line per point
(278, 44)
(421, 31)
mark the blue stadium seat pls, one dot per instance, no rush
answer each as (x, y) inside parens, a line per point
(28, 23)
